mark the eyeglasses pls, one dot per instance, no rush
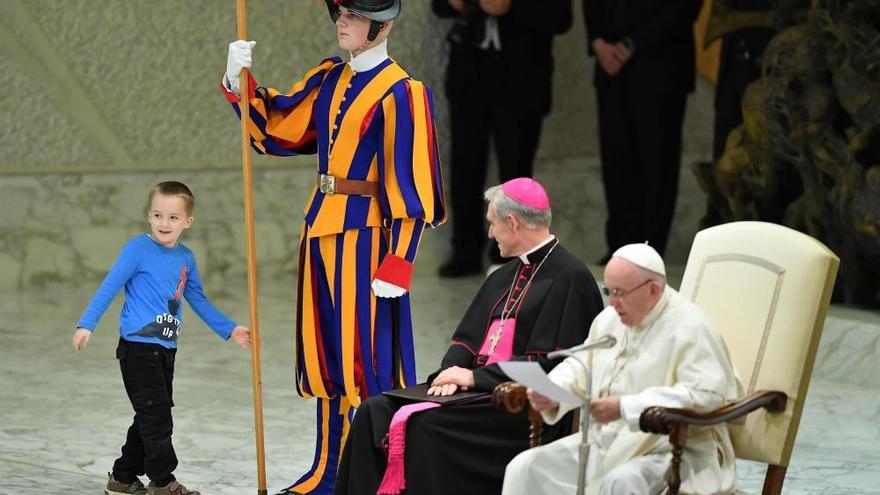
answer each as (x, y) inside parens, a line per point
(621, 293)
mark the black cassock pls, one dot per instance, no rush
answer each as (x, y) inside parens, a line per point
(463, 449)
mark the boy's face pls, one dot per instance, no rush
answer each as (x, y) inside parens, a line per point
(352, 30)
(168, 219)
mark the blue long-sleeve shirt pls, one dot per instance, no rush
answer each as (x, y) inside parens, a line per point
(155, 277)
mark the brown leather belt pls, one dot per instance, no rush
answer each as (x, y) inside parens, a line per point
(330, 185)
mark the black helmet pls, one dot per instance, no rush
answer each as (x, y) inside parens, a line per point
(374, 10)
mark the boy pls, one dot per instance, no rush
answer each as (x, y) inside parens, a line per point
(379, 185)
(156, 271)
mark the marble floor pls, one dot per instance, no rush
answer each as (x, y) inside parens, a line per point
(63, 414)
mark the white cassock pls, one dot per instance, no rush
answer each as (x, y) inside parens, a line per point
(674, 358)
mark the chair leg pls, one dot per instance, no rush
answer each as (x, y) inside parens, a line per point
(536, 428)
(678, 439)
(773, 480)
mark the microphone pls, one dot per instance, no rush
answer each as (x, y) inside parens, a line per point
(603, 343)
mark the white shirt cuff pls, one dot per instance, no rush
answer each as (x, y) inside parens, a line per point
(630, 411)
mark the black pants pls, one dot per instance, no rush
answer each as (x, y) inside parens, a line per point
(737, 74)
(480, 115)
(640, 140)
(147, 372)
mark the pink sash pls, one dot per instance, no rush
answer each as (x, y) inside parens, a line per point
(504, 347)
(394, 481)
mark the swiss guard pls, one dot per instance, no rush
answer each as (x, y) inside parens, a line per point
(378, 185)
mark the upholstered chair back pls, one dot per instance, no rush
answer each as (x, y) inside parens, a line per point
(767, 288)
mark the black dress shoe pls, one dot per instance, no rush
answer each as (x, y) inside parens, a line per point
(455, 268)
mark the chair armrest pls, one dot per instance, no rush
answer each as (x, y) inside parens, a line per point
(511, 397)
(675, 422)
(662, 420)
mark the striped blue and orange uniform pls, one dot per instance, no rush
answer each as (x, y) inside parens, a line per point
(376, 126)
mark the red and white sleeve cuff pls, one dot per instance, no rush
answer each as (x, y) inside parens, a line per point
(233, 97)
(395, 270)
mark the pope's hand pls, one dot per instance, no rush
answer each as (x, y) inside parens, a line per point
(540, 402)
(239, 58)
(606, 409)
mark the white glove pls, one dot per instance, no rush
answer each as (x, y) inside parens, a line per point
(385, 289)
(239, 58)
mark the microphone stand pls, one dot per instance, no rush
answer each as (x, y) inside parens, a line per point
(602, 343)
(584, 448)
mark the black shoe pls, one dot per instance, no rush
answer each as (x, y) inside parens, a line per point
(455, 268)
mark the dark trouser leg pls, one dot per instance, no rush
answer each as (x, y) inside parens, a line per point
(131, 463)
(516, 133)
(363, 459)
(657, 119)
(737, 75)
(728, 116)
(620, 167)
(147, 372)
(470, 120)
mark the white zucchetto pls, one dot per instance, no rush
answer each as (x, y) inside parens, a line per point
(642, 255)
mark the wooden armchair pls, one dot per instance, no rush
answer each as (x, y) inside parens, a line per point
(767, 289)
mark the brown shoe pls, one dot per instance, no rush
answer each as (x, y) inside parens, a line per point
(118, 488)
(173, 488)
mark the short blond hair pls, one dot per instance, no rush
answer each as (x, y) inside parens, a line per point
(173, 188)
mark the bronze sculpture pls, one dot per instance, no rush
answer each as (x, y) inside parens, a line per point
(808, 152)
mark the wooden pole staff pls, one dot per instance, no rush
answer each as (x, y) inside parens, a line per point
(244, 105)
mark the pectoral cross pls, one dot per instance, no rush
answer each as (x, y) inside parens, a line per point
(493, 340)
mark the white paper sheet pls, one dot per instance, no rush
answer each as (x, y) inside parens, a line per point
(530, 374)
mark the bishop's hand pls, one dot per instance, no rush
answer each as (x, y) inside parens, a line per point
(451, 380)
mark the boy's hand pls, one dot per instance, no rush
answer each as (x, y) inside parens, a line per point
(81, 339)
(242, 336)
